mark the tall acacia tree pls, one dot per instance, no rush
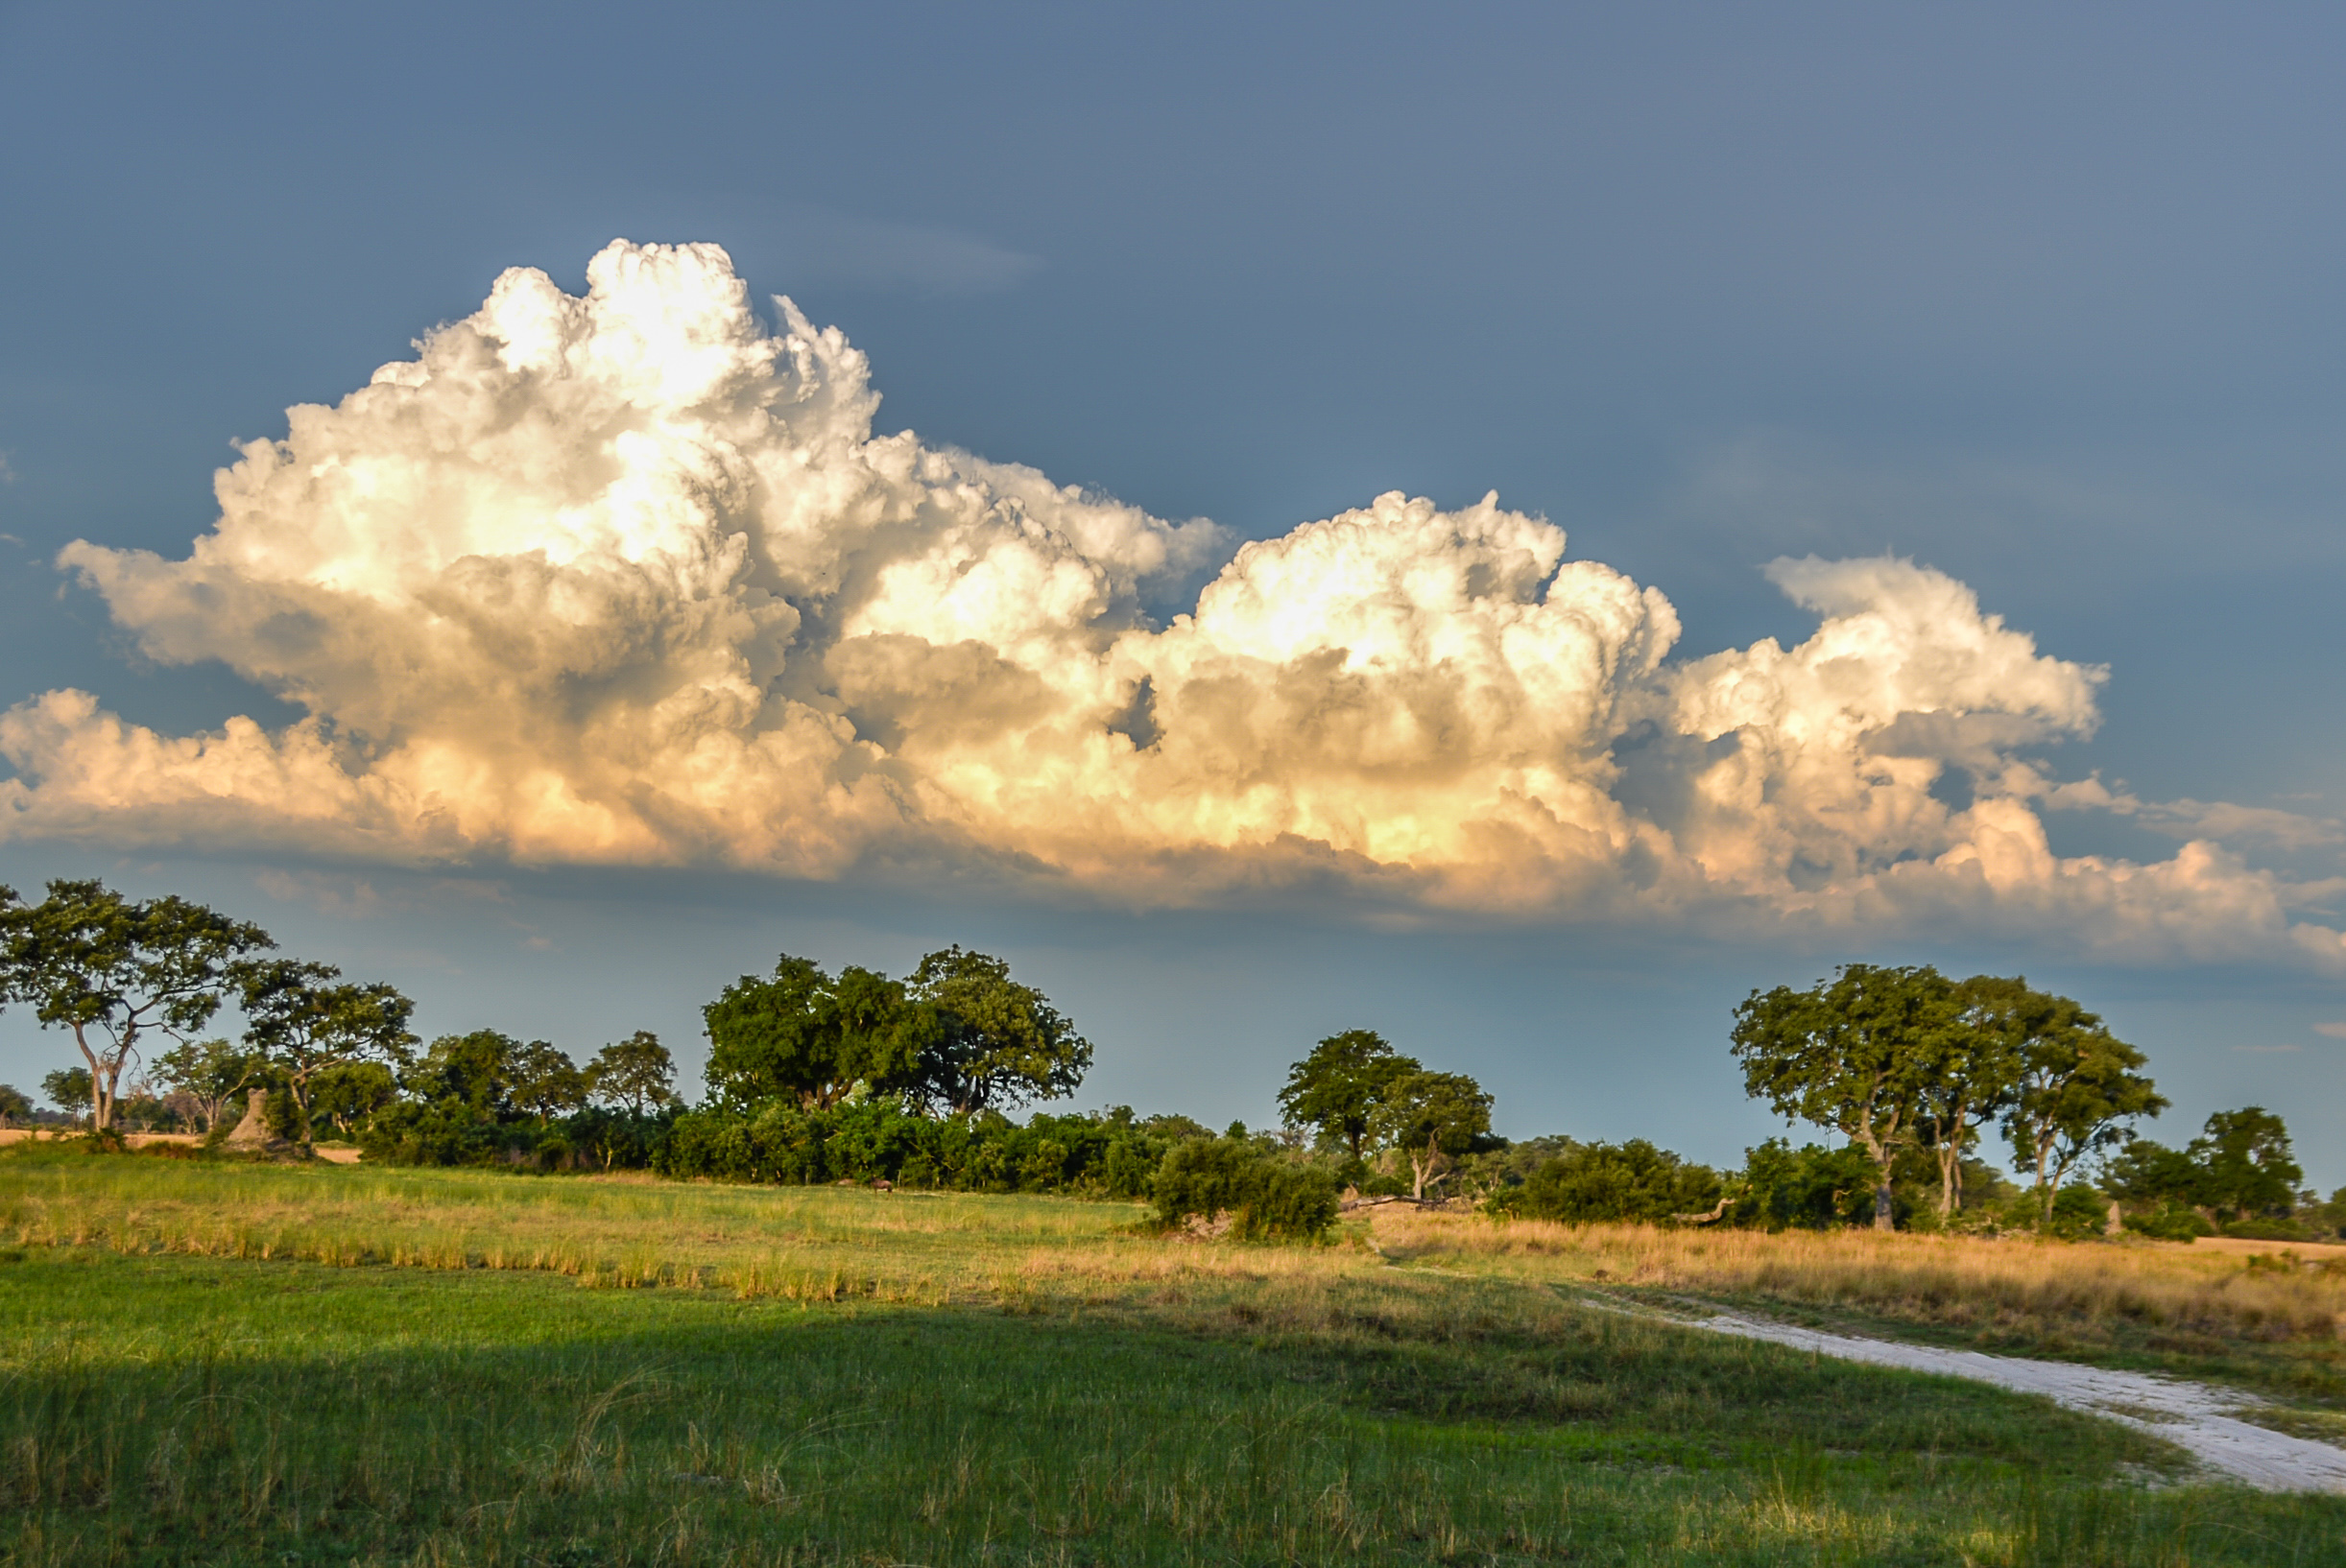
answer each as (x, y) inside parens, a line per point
(1336, 1088)
(1852, 1053)
(2078, 1091)
(114, 969)
(305, 1018)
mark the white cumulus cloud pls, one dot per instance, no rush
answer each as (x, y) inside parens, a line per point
(628, 578)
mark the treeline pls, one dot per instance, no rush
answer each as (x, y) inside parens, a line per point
(918, 1081)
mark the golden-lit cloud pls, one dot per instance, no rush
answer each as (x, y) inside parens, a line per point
(629, 579)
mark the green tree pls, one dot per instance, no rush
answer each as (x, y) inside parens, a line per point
(1336, 1087)
(211, 1072)
(1432, 1117)
(16, 1106)
(636, 1072)
(349, 1092)
(2248, 1167)
(1968, 1074)
(543, 1082)
(1851, 1053)
(305, 1018)
(2076, 1090)
(470, 1072)
(808, 1038)
(988, 1042)
(113, 969)
(66, 1088)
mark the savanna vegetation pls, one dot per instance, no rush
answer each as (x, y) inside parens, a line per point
(866, 1303)
(267, 1363)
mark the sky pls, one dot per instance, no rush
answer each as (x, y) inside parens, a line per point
(1507, 526)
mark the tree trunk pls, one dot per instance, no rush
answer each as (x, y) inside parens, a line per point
(1885, 1214)
(101, 1083)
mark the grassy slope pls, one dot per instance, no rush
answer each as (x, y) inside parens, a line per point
(1000, 1381)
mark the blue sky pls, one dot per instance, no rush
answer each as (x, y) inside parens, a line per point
(2041, 298)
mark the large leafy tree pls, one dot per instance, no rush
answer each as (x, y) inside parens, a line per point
(546, 1083)
(1852, 1053)
(115, 970)
(986, 1041)
(305, 1018)
(16, 1106)
(803, 1034)
(347, 1095)
(636, 1072)
(1968, 1074)
(2249, 1166)
(1432, 1117)
(1336, 1088)
(2076, 1091)
(473, 1072)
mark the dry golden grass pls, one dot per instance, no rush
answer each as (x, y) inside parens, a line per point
(2086, 1293)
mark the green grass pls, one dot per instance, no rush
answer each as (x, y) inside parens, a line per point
(1058, 1390)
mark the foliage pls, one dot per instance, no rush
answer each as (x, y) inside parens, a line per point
(1851, 1053)
(1808, 1188)
(304, 1020)
(1969, 1074)
(1337, 1088)
(67, 1089)
(993, 1044)
(213, 1073)
(1114, 1155)
(959, 1035)
(346, 1094)
(1263, 1195)
(636, 1073)
(2078, 1087)
(1633, 1181)
(16, 1106)
(813, 1038)
(2241, 1170)
(112, 970)
(478, 1098)
(1431, 1118)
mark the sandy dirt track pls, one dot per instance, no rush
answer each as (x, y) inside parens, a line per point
(2193, 1416)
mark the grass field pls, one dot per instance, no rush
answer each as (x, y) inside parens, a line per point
(219, 1363)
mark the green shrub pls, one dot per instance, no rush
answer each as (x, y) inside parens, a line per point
(1266, 1198)
(1606, 1183)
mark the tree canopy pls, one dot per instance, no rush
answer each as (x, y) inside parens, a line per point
(1432, 1117)
(305, 1018)
(2076, 1090)
(1337, 1087)
(113, 969)
(636, 1073)
(1851, 1053)
(989, 1042)
(809, 1036)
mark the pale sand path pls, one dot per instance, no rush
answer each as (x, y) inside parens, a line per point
(2193, 1416)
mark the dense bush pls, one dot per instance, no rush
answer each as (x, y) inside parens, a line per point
(1624, 1182)
(1110, 1154)
(1810, 1188)
(1265, 1196)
